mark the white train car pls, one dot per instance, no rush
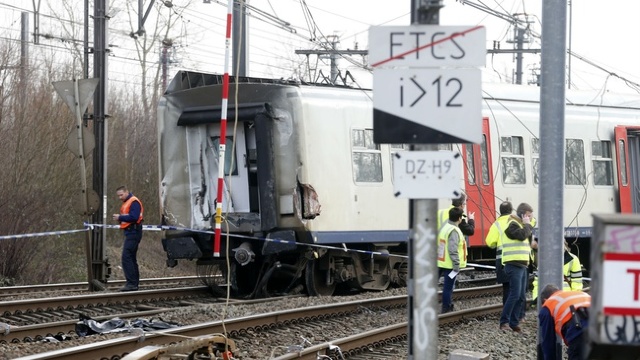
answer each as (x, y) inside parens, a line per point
(302, 168)
(601, 156)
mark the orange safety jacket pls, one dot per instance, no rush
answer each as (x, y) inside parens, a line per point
(124, 210)
(559, 305)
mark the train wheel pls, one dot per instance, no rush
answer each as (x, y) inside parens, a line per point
(319, 277)
(213, 274)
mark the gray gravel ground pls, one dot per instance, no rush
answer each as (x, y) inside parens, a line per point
(473, 334)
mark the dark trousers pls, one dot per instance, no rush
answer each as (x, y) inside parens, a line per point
(575, 350)
(505, 292)
(132, 239)
(447, 289)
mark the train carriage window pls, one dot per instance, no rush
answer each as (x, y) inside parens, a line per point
(512, 154)
(471, 167)
(602, 162)
(574, 171)
(535, 160)
(484, 156)
(227, 155)
(366, 155)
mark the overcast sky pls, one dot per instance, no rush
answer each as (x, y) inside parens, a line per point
(605, 33)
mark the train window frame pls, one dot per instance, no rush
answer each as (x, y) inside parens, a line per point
(362, 147)
(602, 162)
(512, 160)
(535, 161)
(622, 154)
(573, 178)
(230, 145)
(484, 161)
(471, 164)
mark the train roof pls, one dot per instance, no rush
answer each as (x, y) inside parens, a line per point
(185, 80)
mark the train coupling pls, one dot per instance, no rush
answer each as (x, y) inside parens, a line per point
(244, 254)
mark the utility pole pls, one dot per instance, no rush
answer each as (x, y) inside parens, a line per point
(101, 270)
(24, 50)
(423, 216)
(518, 41)
(333, 54)
(165, 59)
(552, 146)
(239, 38)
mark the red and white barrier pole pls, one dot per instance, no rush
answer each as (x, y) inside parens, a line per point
(223, 132)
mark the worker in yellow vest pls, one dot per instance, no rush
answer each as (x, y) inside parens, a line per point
(494, 241)
(516, 250)
(467, 227)
(571, 273)
(452, 255)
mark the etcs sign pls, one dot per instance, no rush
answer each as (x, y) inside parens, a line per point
(426, 84)
(427, 46)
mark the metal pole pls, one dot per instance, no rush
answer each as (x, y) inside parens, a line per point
(99, 155)
(164, 62)
(334, 60)
(24, 49)
(519, 41)
(85, 65)
(569, 50)
(423, 268)
(239, 38)
(552, 145)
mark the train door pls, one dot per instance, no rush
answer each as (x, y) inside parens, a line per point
(236, 180)
(479, 185)
(627, 163)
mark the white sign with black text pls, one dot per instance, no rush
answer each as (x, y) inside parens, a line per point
(446, 100)
(427, 46)
(427, 174)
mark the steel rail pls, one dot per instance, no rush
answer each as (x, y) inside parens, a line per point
(128, 344)
(98, 299)
(370, 339)
(82, 286)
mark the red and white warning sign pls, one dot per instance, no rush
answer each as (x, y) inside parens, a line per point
(621, 284)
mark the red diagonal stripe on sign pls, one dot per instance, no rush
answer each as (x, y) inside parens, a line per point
(427, 45)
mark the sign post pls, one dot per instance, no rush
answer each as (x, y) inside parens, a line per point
(614, 317)
(426, 91)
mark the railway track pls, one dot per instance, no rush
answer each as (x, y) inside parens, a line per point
(34, 319)
(157, 342)
(30, 290)
(387, 342)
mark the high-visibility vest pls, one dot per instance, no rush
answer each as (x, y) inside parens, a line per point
(124, 210)
(565, 287)
(443, 218)
(444, 260)
(515, 250)
(496, 233)
(559, 305)
(572, 272)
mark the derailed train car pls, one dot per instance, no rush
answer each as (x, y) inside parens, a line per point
(308, 200)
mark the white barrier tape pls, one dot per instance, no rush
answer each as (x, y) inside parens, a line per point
(165, 227)
(19, 236)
